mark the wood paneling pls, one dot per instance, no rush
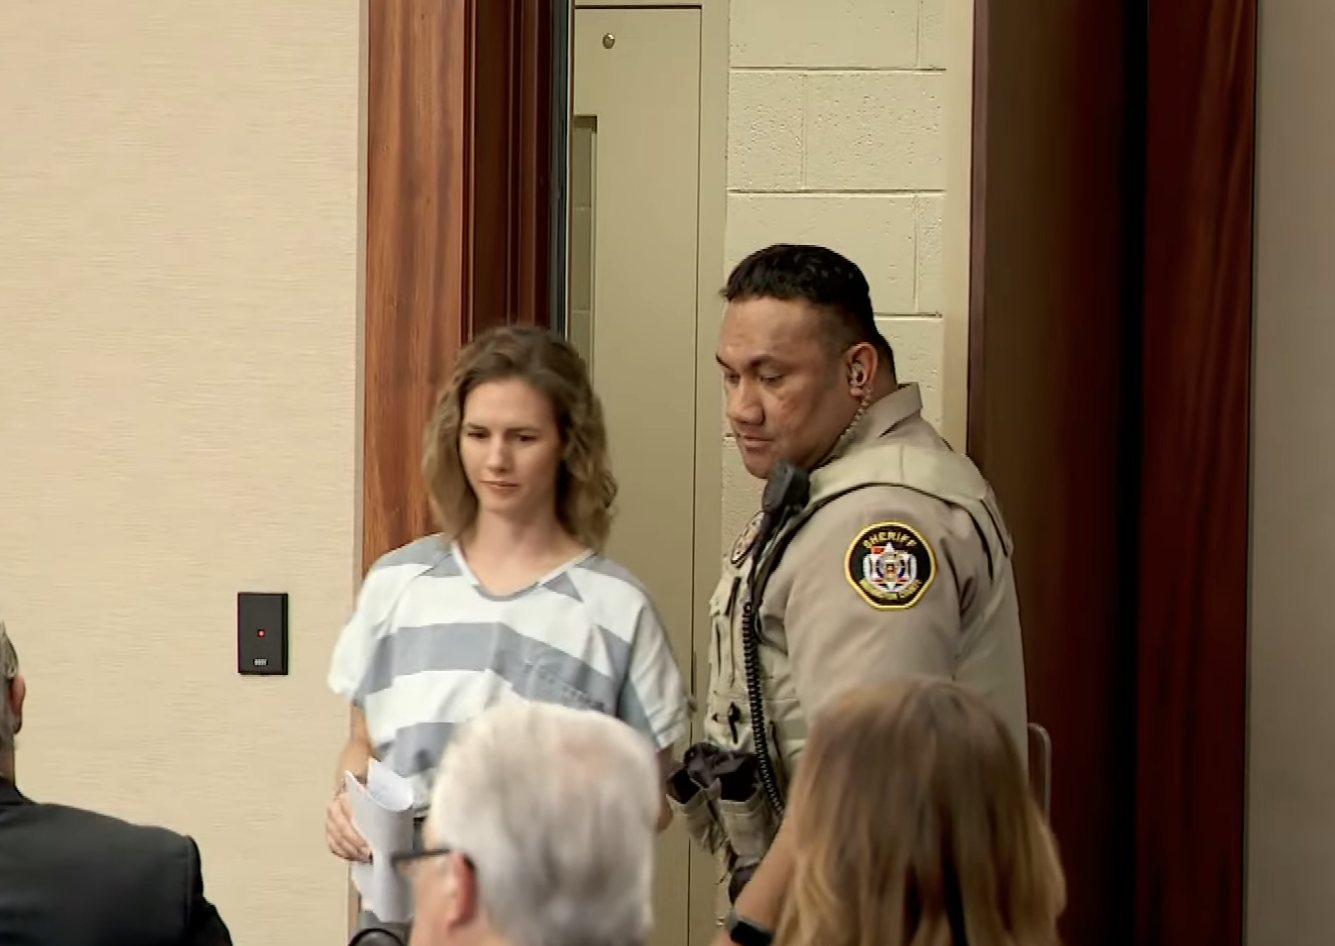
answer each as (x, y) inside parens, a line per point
(1190, 572)
(458, 196)
(1047, 404)
(510, 170)
(416, 157)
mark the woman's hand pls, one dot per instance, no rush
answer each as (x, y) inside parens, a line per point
(344, 840)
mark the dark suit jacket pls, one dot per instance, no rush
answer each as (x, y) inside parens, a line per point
(70, 877)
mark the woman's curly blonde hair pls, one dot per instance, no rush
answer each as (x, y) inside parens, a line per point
(585, 488)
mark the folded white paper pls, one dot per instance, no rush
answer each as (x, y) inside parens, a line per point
(382, 811)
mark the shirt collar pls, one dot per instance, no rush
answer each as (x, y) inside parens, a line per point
(883, 416)
(895, 407)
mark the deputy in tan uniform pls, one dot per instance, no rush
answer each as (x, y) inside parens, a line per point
(896, 564)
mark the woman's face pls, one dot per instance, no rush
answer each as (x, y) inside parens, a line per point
(511, 449)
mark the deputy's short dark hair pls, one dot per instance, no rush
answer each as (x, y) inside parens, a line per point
(820, 277)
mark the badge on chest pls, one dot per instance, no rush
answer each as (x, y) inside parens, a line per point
(742, 547)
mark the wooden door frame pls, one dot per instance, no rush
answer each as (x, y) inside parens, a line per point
(458, 219)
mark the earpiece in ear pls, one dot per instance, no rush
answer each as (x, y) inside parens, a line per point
(857, 376)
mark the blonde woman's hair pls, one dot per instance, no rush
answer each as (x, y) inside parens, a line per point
(585, 488)
(917, 827)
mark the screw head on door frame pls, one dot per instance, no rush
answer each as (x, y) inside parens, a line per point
(609, 41)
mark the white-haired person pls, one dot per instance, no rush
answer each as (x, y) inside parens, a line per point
(541, 833)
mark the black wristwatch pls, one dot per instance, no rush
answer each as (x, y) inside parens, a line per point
(746, 932)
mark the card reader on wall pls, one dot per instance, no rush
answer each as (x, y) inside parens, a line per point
(261, 633)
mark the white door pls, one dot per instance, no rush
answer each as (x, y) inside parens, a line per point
(633, 199)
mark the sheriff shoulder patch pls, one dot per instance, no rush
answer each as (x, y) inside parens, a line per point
(890, 565)
(742, 547)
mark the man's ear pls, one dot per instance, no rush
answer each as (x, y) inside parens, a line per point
(862, 363)
(464, 906)
(18, 689)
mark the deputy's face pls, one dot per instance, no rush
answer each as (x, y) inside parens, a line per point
(786, 397)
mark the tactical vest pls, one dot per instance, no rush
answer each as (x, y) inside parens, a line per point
(989, 656)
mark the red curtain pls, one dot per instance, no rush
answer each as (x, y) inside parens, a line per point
(1191, 570)
(1110, 325)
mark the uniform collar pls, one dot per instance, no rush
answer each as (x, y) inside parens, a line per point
(883, 416)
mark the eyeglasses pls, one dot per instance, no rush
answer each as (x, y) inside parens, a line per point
(405, 862)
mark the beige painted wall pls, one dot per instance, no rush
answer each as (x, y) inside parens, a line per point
(849, 126)
(178, 363)
(1291, 726)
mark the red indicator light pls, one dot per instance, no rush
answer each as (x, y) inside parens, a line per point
(260, 632)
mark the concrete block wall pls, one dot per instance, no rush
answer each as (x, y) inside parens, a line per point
(836, 135)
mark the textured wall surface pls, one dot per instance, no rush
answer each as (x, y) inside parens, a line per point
(178, 362)
(837, 135)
